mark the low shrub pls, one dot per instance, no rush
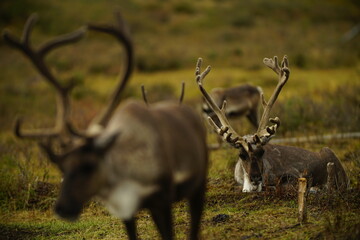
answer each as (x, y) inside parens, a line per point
(335, 111)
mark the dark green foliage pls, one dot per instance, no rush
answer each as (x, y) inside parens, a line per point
(16, 11)
(170, 34)
(185, 7)
(338, 111)
(155, 62)
(299, 60)
(25, 179)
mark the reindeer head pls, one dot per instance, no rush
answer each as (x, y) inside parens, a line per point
(251, 147)
(79, 155)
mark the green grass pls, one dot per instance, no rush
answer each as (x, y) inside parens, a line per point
(257, 215)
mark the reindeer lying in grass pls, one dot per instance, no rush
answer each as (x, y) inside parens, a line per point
(131, 156)
(263, 164)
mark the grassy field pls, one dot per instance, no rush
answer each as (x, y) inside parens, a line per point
(229, 213)
(321, 97)
(30, 184)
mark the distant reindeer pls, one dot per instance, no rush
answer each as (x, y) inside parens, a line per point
(131, 156)
(242, 100)
(263, 164)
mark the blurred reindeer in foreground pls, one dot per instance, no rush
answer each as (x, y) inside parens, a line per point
(262, 164)
(132, 156)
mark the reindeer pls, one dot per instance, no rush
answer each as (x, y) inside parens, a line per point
(263, 164)
(131, 156)
(242, 100)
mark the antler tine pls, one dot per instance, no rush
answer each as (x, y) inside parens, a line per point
(62, 40)
(33, 134)
(273, 64)
(37, 57)
(121, 23)
(201, 75)
(263, 101)
(25, 38)
(225, 130)
(121, 34)
(283, 73)
(143, 92)
(24, 43)
(182, 93)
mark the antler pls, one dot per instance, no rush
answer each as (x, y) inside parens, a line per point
(182, 93)
(225, 130)
(264, 133)
(37, 58)
(181, 98)
(121, 33)
(143, 92)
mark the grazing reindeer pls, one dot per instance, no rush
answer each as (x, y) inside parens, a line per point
(262, 163)
(242, 100)
(131, 156)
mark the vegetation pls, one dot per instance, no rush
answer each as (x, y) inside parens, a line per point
(321, 97)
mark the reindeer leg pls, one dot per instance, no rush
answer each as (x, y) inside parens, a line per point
(196, 203)
(131, 228)
(239, 173)
(247, 187)
(162, 217)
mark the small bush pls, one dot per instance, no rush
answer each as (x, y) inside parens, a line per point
(184, 7)
(243, 20)
(300, 61)
(152, 63)
(24, 181)
(336, 111)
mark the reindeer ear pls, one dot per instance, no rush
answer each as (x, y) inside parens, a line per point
(105, 142)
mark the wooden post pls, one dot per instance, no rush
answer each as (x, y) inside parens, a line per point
(302, 200)
(330, 177)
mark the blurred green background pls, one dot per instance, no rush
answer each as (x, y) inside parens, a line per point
(170, 34)
(233, 36)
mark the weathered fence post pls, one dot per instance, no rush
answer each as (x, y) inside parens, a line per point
(302, 200)
(331, 177)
